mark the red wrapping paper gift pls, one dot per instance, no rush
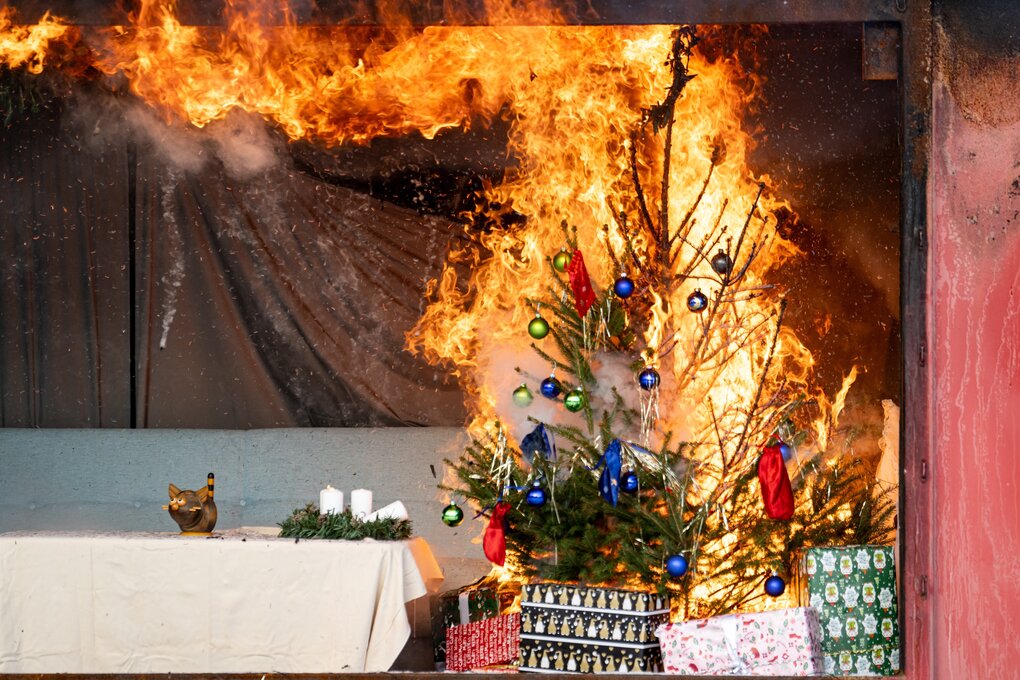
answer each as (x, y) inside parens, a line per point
(483, 643)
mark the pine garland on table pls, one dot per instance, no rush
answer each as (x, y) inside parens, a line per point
(306, 522)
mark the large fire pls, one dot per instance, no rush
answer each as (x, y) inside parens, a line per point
(27, 46)
(573, 97)
(333, 85)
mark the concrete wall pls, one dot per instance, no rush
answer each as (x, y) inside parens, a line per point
(117, 479)
(974, 332)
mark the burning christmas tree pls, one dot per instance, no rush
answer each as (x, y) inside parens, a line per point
(658, 450)
(643, 437)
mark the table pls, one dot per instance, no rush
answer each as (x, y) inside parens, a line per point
(154, 603)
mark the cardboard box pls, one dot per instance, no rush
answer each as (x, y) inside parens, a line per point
(854, 591)
(583, 629)
(493, 641)
(458, 607)
(779, 642)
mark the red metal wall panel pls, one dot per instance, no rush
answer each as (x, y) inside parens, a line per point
(974, 317)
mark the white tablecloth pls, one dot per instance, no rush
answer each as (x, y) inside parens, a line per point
(154, 603)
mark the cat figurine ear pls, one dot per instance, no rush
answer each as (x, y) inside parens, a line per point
(194, 511)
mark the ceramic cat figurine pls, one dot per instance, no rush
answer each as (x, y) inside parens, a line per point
(194, 511)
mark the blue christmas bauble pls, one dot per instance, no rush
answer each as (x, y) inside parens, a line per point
(697, 301)
(623, 287)
(786, 450)
(522, 396)
(775, 586)
(676, 566)
(629, 481)
(721, 263)
(536, 496)
(648, 378)
(550, 388)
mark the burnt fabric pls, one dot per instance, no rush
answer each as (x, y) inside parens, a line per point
(776, 492)
(273, 299)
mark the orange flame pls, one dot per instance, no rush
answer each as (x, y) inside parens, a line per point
(27, 46)
(657, 327)
(828, 420)
(571, 133)
(573, 96)
(335, 84)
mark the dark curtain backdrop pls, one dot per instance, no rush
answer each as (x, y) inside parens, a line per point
(278, 299)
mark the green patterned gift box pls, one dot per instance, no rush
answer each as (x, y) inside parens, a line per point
(853, 589)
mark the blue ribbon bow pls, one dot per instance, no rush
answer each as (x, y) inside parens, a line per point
(609, 480)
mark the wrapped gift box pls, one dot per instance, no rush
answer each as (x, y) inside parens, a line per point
(489, 642)
(458, 607)
(590, 630)
(780, 642)
(854, 591)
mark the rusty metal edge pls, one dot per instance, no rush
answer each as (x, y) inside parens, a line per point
(915, 558)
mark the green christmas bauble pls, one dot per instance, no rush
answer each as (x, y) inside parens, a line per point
(452, 515)
(574, 401)
(538, 328)
(523, 396)
(561, 260)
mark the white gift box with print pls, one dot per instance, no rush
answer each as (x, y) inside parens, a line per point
(779, 642)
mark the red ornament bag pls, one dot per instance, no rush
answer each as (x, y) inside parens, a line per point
(776, 491)
(494, 541)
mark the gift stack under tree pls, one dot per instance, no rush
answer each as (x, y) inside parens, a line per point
(694, 478)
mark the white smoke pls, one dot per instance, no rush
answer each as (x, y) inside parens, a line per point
(174, 278)
(177, 143)
(241, 143)
(612, 369)
(498, 364)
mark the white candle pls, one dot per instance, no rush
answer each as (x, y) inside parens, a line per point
(361, 503)
(331, 501)
(394, 510)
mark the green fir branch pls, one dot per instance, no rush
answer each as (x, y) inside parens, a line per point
(306, 522)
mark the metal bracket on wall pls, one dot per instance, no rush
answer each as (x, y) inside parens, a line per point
(880, 51)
